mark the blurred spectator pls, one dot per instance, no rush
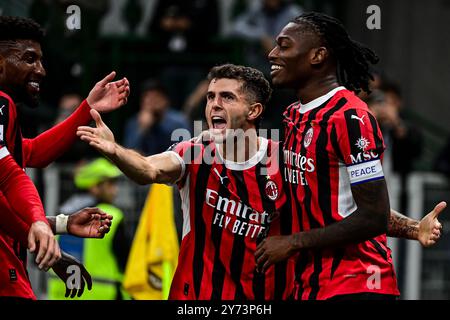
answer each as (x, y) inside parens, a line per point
(183, 26)
(150, 130)
(184, 31)
(403, 140)
(442, 163)
(259, 27)
(105, 259)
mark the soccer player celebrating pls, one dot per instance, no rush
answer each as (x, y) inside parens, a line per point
(333, 149)
(228, 199)
(22, 220)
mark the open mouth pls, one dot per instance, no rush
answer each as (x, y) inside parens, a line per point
(218, 122)
(274, 68)
(34, 86)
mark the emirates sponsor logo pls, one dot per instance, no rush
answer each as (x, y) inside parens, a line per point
(296, 167)
(247, 221)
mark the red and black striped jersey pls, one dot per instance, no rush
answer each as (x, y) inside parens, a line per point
(20, 204)
(228, 208)
(13, 276)
(330, 144)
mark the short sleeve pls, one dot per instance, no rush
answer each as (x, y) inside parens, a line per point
(360, 145)
(183, 152)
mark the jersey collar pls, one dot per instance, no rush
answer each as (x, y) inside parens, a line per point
(253, 161)
(319, 101)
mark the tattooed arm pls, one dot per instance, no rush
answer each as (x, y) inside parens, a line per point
(368, 221)
(427, 231)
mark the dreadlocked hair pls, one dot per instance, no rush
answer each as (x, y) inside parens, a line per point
(353, 59)
(18, 28)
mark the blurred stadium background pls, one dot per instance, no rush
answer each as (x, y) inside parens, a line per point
(128, 36)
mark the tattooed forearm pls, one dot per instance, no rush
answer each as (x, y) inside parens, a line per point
(402, 227)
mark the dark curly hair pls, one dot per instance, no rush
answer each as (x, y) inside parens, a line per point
(255, 85)
(18, 28)
(353, 58)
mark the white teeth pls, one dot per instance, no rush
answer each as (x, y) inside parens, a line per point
(217, 118)
(34, 84)
(275, 67)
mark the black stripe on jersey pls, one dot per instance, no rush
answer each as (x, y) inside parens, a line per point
(313, 223)
(314, 279)
(335, 143)
(337, 258)
(323, 164)
(200, 230)
(324, 189)
(4, 119)
(238, 251)
(377, 138)
(379, 248)
(218, 273)
(300, 267)
(290, 144)
(270, 208)
(353, 130)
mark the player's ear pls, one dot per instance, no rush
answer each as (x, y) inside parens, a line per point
(255, 111)
(318, 55)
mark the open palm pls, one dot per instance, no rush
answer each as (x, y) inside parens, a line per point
(106, 95)
(100, 137)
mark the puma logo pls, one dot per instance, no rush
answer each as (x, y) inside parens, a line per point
(358, 118)
(220, 177)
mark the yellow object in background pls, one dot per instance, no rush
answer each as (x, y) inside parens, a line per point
(154, 253)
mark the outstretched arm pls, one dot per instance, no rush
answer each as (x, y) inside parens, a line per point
(165, 167)
(51, 144)
(427, 231)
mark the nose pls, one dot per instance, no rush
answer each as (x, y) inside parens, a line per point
(216, 105)
(40, 70)
(272, 54)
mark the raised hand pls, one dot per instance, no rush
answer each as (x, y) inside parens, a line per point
(106, 96)
(73, 274)
(41, 238)
(100, 137)
(430, 227)
(89, 223)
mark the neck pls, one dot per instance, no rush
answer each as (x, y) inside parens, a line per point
(240, 147)
(316, 88)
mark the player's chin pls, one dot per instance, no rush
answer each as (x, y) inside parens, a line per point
(32, 100)
(277, 81)
(218, 135)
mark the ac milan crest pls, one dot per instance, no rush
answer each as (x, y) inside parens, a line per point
(271, 190)
(308, 137)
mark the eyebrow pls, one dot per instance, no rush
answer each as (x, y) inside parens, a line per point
(221, 92)
(281, 38)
